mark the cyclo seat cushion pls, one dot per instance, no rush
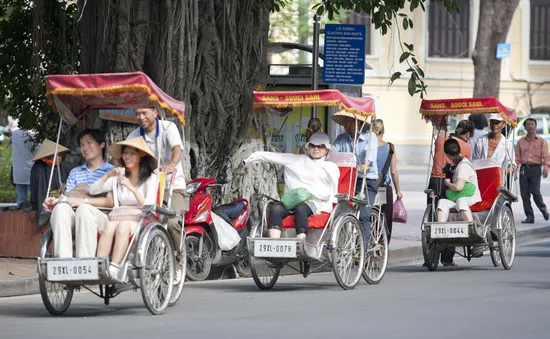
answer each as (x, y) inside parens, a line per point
(489, 180)
(314, 221)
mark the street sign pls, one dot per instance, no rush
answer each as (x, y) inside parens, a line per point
(503, 51)
(344, 54)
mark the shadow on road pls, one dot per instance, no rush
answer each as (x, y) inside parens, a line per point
(75, 311)
(540, 285)
(539, 254)
(281, 286)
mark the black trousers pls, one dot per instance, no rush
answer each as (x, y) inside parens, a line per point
(277, 212)
(387, 209)
(438, 185)
(529, 183)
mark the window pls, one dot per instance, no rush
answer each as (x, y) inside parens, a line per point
(354, 18)
(539, 48)
(448, 34)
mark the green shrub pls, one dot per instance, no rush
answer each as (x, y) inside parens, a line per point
(8, 192)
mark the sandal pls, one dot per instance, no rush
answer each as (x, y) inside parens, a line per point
(453, 264)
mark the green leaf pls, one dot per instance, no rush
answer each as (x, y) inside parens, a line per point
(384, 30)
(420, 72)
(403, 15)
(404, 56)
(395, 76)
(409, 46)
(412, 86)
(405, 23)
(411, 23)
(414, 60)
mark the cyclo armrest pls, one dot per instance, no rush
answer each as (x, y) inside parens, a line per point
(507, 194)
(428, 191)
(164, 211)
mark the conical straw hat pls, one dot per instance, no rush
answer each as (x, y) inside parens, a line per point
(47, 149)
(115, 150)
(340, 117)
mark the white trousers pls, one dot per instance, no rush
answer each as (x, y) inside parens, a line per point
(87, 221)
(462, 204)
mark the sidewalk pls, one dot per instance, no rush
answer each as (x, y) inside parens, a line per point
(19, 276)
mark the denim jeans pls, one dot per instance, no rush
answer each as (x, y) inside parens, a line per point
(364, 215)
(22, 193)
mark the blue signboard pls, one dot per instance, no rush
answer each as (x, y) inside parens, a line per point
(503, 51)
(344, 54)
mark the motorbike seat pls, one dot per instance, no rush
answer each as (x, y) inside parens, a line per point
(230, 211)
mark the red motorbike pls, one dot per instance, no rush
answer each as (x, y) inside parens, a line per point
(202, 240)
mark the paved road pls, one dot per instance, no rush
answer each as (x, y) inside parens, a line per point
(474, 300)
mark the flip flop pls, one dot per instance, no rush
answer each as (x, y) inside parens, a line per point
(452, 264)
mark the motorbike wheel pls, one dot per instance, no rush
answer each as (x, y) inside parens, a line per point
(198, 264)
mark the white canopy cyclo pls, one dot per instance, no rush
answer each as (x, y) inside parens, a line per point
(149, 263)
(334, 239)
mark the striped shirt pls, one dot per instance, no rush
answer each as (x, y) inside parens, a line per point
(82, 175)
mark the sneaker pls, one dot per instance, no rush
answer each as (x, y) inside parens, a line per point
(114, 272)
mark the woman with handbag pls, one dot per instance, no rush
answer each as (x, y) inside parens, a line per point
(311, 184)
(131, 187)
(387, 164)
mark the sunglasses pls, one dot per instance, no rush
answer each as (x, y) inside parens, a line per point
(318, 146)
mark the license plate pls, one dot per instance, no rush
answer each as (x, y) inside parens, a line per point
(274, 249)
(73, 270)
(449, 231)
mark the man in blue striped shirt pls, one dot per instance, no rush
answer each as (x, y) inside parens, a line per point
(87, 220)
(344, 143)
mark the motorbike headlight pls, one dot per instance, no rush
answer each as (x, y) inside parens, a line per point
(192, 187)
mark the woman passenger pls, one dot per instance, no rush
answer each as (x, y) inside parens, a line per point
(136, 185)
(314, 125)
(309, 171)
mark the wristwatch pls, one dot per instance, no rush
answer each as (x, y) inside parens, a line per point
(86, 201)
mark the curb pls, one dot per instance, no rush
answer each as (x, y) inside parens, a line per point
(12, 288)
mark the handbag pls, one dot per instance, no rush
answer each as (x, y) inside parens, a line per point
(399, 212)
(124, 213)
(294, 197)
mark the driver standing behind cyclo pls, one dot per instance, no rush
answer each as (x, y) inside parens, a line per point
(165, 135)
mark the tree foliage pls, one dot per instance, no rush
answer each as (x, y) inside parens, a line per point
(384, 15)
(37, 38)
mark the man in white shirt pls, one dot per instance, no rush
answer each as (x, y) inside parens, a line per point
(165, 141)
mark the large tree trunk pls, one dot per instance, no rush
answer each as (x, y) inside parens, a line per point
(208, 53)
(495, 17)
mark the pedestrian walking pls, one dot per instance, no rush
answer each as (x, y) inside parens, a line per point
(22, 154)
(532, 154)
(387, 172)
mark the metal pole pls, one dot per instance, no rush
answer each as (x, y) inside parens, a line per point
(315, 58)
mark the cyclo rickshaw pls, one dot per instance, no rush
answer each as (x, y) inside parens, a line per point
(333, 239)
(493, 226)
(149, 263)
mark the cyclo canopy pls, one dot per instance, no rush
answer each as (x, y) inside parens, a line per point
(72, 95)
(437, 110)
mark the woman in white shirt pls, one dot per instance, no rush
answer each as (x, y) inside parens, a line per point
(136, 185)
(309, 171)
(464, 173)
